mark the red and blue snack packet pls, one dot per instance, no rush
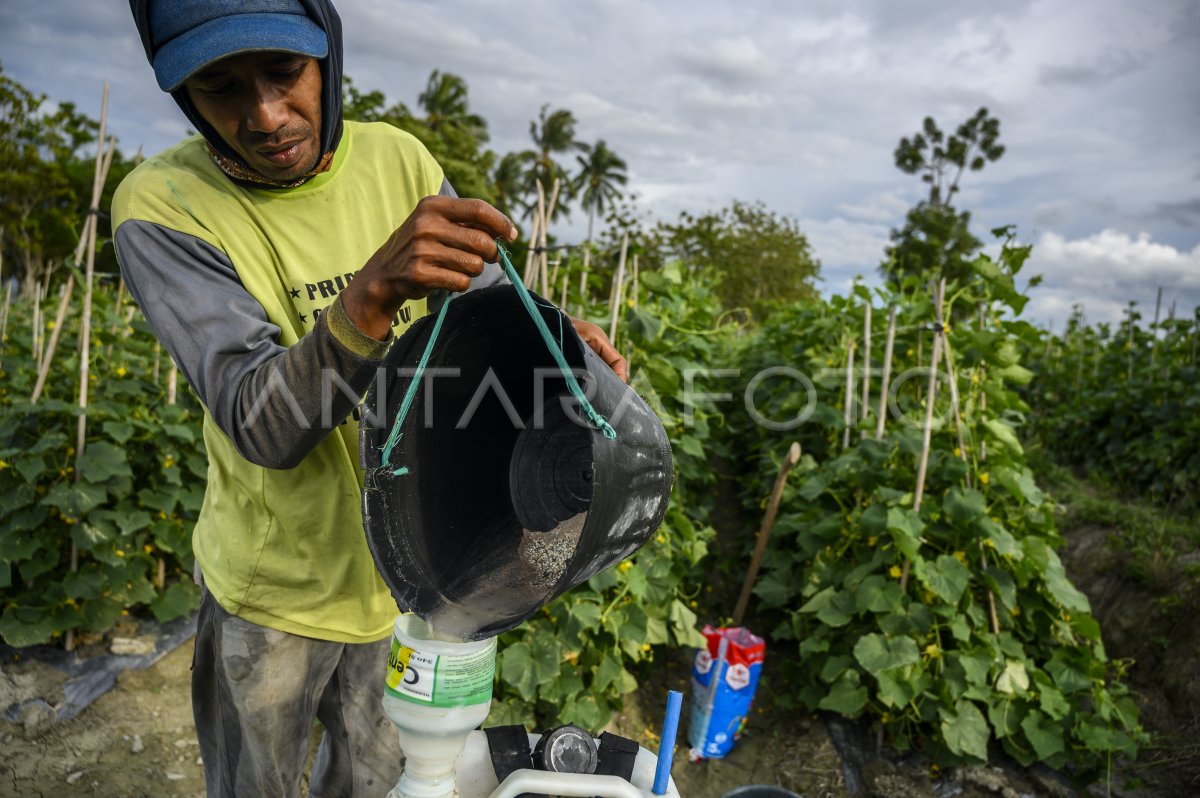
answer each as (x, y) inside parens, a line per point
(724, 677)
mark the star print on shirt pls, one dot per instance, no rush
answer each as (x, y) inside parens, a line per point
(295, 292)
(303, 319)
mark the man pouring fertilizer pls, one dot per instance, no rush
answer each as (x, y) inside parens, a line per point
(277, 255)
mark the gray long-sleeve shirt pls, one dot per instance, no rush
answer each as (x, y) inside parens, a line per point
(229, 352)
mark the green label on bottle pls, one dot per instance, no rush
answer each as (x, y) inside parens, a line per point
(439, 680)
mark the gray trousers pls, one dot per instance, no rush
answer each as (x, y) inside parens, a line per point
(255, 692)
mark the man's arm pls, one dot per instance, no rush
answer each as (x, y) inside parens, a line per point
(265, 397)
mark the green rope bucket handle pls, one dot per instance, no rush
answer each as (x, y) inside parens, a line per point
(555, 348)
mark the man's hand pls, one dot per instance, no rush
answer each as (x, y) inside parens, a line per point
(594, 337)
(442, 244)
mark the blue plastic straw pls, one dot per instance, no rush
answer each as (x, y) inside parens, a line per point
(666, 747)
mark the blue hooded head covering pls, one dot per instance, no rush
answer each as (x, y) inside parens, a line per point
(323, 14)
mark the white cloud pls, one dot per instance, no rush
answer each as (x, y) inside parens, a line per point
(1105, 271)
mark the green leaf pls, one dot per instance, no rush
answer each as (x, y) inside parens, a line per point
(1060, 586)
(947, 578)
(176, 601)
(1004, 434)
(966, 731)
(1002, 540)
(517, 669)
(964, 505)
(1043, 734)
(119, 431)
(683, 625)
(877, 594)
(878, 653)
(1013, 680)
(906, 527)
(102, 461)
(612, 672)
(774, 589)
(839, 611)
(74, 499)
(847, 697)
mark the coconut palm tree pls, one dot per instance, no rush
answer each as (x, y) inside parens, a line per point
(600, 172)
(445, 104)
(552, 133)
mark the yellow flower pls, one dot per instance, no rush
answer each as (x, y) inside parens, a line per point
(961, 556)
(661, 538)
(894, 572)
(645, 646)
(630, 302)
(170, 461)
(932, 651)
(693, 604)
(625, 566)
(872, 540)
(929, 597)
(71, 603)
(957, 452)
(3, 465)
(1067, 617)
(1016, 611)
(120, 553)
(121, 372)
(147, 548)
(50, 326)
(975, 378)
(571, 657)
(984, 478)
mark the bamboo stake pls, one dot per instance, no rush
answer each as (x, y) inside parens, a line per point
(616, 292)
(545, 254)
(531, 257)
(172, 383)
(635, 280)
(35, 328)
(583, 297)
(44, 368)
(85, 328)
(157, 355)
(848, 409)
(927, 430)
(866, 367)
(554, 272)
(4, 320)
(764, 532)
(103, 162)
(887, 374)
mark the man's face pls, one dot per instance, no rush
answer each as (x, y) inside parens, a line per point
(267, 107)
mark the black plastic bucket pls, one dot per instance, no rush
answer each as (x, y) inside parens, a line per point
(511, 496)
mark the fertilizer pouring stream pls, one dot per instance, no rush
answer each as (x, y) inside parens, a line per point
(502, 489)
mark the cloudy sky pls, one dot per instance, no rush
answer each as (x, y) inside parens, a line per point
(798, 105)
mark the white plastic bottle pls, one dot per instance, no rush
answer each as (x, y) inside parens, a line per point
(436, 693)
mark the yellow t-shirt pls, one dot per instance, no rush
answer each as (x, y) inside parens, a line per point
(285, 548)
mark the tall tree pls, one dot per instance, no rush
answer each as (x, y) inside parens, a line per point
(445, 104)
(45, 182)
(553, 133)
(936, 238)
(761, 257)
(600, 172)
(452, 134)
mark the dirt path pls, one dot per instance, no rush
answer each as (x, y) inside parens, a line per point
(136, 740)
